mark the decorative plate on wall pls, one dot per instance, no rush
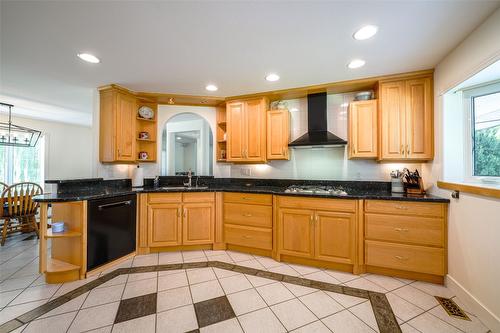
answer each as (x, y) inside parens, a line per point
(146, 112)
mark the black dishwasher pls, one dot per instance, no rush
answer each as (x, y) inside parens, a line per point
(110, 229)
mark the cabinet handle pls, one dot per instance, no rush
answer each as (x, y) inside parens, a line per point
(247, 215)
(401, 258)
(401, 229)
(311, 219)
(401, 207)
(247, 237)
(178, 212)
(402, 149)
(185, 212)
(317, 218)
(408, 149)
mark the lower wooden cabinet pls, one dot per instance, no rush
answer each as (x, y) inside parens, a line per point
(164, 225)
(198, 223)
(321, 234)
(406, 239)
(248, 220)
(189, 221)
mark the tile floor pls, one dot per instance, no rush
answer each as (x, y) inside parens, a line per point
(215, 300)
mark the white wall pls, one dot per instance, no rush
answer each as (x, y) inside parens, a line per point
(68, 148)
(474, 223)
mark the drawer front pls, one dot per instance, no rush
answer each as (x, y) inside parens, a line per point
(164, 197)
(338, 205)
(260, 238)
(412, 258)
(406, 229)
(198, 197)
(249, 215)
(249, 198)
(405, 208)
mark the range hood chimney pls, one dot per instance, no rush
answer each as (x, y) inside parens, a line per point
(317, 133)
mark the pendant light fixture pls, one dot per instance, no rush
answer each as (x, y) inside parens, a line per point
(15, 135)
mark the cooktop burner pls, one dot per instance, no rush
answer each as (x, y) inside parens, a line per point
(316, 189)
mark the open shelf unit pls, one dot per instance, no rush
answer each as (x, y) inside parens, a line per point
(66, 259)
(149, 126)
(221, 150)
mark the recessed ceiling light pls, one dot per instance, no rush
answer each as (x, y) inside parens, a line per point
(178, 138)
(356, 63)
(344, 105)
(211, 87)
(368, 31)
(272, 77)
(89, 58)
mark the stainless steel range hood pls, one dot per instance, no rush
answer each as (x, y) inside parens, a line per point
(317, 134)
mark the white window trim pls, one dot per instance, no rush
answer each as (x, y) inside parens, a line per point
(490, 87)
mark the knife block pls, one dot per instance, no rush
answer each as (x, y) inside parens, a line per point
(414, 189)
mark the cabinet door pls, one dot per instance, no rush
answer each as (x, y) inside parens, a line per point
(278, 131)
(125, 130)
(198, 223)
(363, 129)
(255, 113)
(419, 122)
(334, 236)
(296, 235)
(164, 225)
(392, 120)
(236, 136)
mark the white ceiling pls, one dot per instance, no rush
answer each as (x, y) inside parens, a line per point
(179, 47)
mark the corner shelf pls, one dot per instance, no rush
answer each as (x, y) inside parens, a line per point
(146, 125)
(66, 233)
(221, 132)
(59, 266)
(145, 119)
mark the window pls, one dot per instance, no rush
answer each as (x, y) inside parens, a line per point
(486, 134)
(22, 164)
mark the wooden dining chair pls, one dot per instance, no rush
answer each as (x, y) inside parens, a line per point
(19, 208)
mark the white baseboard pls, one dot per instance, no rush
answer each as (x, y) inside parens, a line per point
(491, 320)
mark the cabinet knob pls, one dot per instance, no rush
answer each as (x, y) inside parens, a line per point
(401, 229)
(401, 207)
(247, 237)
(247, 215)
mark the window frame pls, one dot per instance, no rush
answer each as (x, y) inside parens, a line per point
(469, 129)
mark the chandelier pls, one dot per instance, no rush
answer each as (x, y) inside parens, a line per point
(15, 135)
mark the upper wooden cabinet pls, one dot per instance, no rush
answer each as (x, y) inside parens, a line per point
(120, 127)
(405, 115)
(117, 127)
(278, 134)
(246, 131)
(363, 129)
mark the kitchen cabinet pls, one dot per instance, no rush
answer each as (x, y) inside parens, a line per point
(246, 130)
(363, 129)
(248, 221)
(319, 229)
(406, 239)
(406, 124)
(174, 219)
(117, 126)
(278, 134)
(164, 222)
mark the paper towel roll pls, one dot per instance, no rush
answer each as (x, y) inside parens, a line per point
(137, 175)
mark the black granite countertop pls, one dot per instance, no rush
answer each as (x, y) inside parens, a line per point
(355, 190)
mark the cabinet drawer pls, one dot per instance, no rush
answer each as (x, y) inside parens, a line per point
(198, 197)
(260, 238)
(412, 258)
(164, 197)
(338, 205)
(250, 215)
(249, 198)
(405, 208)
(406, 229)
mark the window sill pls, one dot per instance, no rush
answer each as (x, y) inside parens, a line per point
(492, 191)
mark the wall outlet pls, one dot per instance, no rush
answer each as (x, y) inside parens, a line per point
(245, 171)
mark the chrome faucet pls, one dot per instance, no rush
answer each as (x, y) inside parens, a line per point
(189, 184)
